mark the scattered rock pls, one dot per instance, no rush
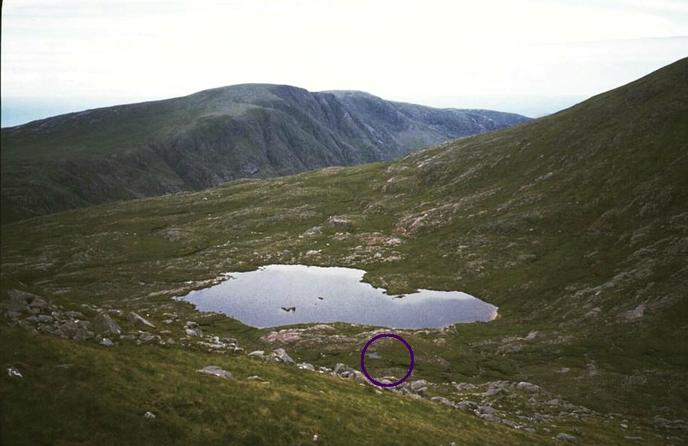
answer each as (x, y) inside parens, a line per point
(490, 417)
(104, 324)
(106, 342)
(528, 387)
(14, 373)
(486, 409)
(496, 388)
(306, 366)
(419, 386)
(337, 221)
(149, 415)
(532, 335)
(442, 400)
(281, 355)
(568, 438)
(39, 303)
(260, 354)
(135, 318)
(216, 371)
(191, 332)
(148, 338)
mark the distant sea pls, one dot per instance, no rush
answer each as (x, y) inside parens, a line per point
(17, 111)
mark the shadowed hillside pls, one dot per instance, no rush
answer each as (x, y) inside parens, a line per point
(208, 138)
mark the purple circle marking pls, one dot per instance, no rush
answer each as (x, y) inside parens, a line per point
(370, 342)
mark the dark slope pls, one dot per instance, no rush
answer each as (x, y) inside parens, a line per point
(210, 137)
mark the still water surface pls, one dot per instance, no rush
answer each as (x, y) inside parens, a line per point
(277, 295)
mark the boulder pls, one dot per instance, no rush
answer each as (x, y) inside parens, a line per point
(39, 303)
(148, 338)
(528, 387)
(419, 385)
(191, 332)
(281, 355)
(306, 366)
(104, 324)
(216, 371)
(106, 342)
(136, 319)
(568, 438)
(260, 354)
(486, 409)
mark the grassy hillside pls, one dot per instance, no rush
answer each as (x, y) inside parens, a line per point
(575, 225)
(207, 138)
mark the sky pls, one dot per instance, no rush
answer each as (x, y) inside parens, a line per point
(526, 56)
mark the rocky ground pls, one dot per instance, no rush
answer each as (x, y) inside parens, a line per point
(518, 405)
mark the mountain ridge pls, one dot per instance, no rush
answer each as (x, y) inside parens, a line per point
(210, 137)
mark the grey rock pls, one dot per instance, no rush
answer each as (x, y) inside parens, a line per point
(490, 417)
(442, 400)
(216, 371)
(260, 354)
(568, 438)
(148, 338)
(191, 332)
(149, 415)
(14, 373)
(466, 405)
(419, 385)
(104, 324)
(486, 409)
(281, 355)
(106, 342)
(136, 319)
(497, 388)
(39, 303)
(44, 318)
(18, 299)
(528, 387)
(306, 366)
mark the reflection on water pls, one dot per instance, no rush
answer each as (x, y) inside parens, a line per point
(277, 295)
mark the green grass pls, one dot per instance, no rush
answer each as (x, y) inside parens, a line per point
(566, 254)
(75, 393)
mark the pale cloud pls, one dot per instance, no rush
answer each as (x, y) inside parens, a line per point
(428, 51)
